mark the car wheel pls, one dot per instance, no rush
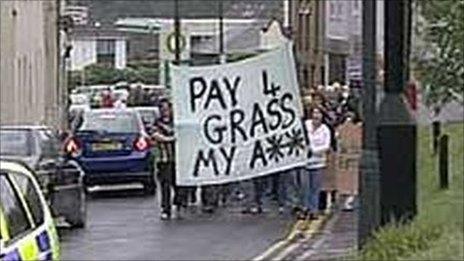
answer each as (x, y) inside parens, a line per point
(80, 216)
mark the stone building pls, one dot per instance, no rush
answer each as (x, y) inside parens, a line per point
(305, 25)
(29, 62)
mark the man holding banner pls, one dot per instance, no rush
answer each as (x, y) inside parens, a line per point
(238, 121)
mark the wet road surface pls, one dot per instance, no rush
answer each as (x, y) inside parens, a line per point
(125, 225)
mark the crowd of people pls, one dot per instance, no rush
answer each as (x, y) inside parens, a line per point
(297, 190)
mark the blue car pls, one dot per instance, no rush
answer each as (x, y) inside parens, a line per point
(112, 147)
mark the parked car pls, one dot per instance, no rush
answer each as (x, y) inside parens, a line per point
(61, 180)
(27, 230)
(149, 115)
(112, 147)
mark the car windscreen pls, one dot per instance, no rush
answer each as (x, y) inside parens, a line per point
(112, 122)
(16, 142)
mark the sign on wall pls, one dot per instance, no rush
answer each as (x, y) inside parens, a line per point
(239, 120)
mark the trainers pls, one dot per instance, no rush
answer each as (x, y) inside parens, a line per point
(256, 210)
(240, 196)
(165, 216)
(207, 210)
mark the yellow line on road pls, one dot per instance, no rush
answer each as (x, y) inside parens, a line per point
(281, 243)
(283, 247)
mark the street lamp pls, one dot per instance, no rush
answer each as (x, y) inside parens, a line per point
(397, 137)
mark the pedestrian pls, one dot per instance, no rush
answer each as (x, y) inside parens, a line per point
(163, 135)
(120, 103)
(259, 184)
(319, 138)
(107, 99)
(209, 198)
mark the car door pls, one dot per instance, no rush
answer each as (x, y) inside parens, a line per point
(31, 233)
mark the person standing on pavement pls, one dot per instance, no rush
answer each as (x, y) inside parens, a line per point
(319, 144)
(163, 135)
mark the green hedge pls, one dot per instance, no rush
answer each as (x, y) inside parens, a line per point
(98, 74)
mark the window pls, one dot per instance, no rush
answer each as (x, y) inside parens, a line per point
(110, 122)
(28, 190)
(16, 142)
(15, 215)
(106, 46)
(340, 8)
(356, 5)
(106, 51)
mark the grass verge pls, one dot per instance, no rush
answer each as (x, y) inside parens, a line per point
(437, 231)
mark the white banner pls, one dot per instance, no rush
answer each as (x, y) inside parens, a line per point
(239, 120)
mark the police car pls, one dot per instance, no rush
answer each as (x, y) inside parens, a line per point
(27, 230)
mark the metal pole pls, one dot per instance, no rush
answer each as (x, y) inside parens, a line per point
(397, 135)
(177, 31)
(222, 59)
(61, 122)
(369, 173)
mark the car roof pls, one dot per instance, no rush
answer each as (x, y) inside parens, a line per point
(25, 127)
(15, 166)
(103, 110)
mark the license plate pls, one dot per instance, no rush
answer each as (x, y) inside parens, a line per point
(106, 146)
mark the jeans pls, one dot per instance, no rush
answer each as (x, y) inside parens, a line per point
(311, 187)
(286, 185)
(167, 179)
(259, 187)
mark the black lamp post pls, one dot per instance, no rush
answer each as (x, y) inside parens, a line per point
(177, 31)
(397, 137)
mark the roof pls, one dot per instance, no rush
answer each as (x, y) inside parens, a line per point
(240, 38)
(89, 32)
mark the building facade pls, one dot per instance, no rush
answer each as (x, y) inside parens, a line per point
(89, 46)
(29, 59)
(305, 25)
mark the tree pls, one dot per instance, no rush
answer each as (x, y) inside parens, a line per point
(438, 51)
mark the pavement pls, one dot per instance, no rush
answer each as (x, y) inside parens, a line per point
(125, 225)
(331, 237)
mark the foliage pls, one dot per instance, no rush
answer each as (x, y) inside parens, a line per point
(437, 231)
(438, 52)
(98, 74)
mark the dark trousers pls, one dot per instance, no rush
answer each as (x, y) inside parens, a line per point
(259, 185)
(209, 195)
(167, 180)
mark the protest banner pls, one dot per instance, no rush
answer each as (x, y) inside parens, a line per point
(239, 120)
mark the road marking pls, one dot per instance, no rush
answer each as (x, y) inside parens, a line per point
(287, 245)
(320, 241)
(288, 250)
(281, 243)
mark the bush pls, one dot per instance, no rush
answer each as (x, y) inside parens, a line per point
(98, 74)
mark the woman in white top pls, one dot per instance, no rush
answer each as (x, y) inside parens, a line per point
(319, 144)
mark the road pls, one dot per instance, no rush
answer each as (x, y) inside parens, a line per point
(125, 226)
